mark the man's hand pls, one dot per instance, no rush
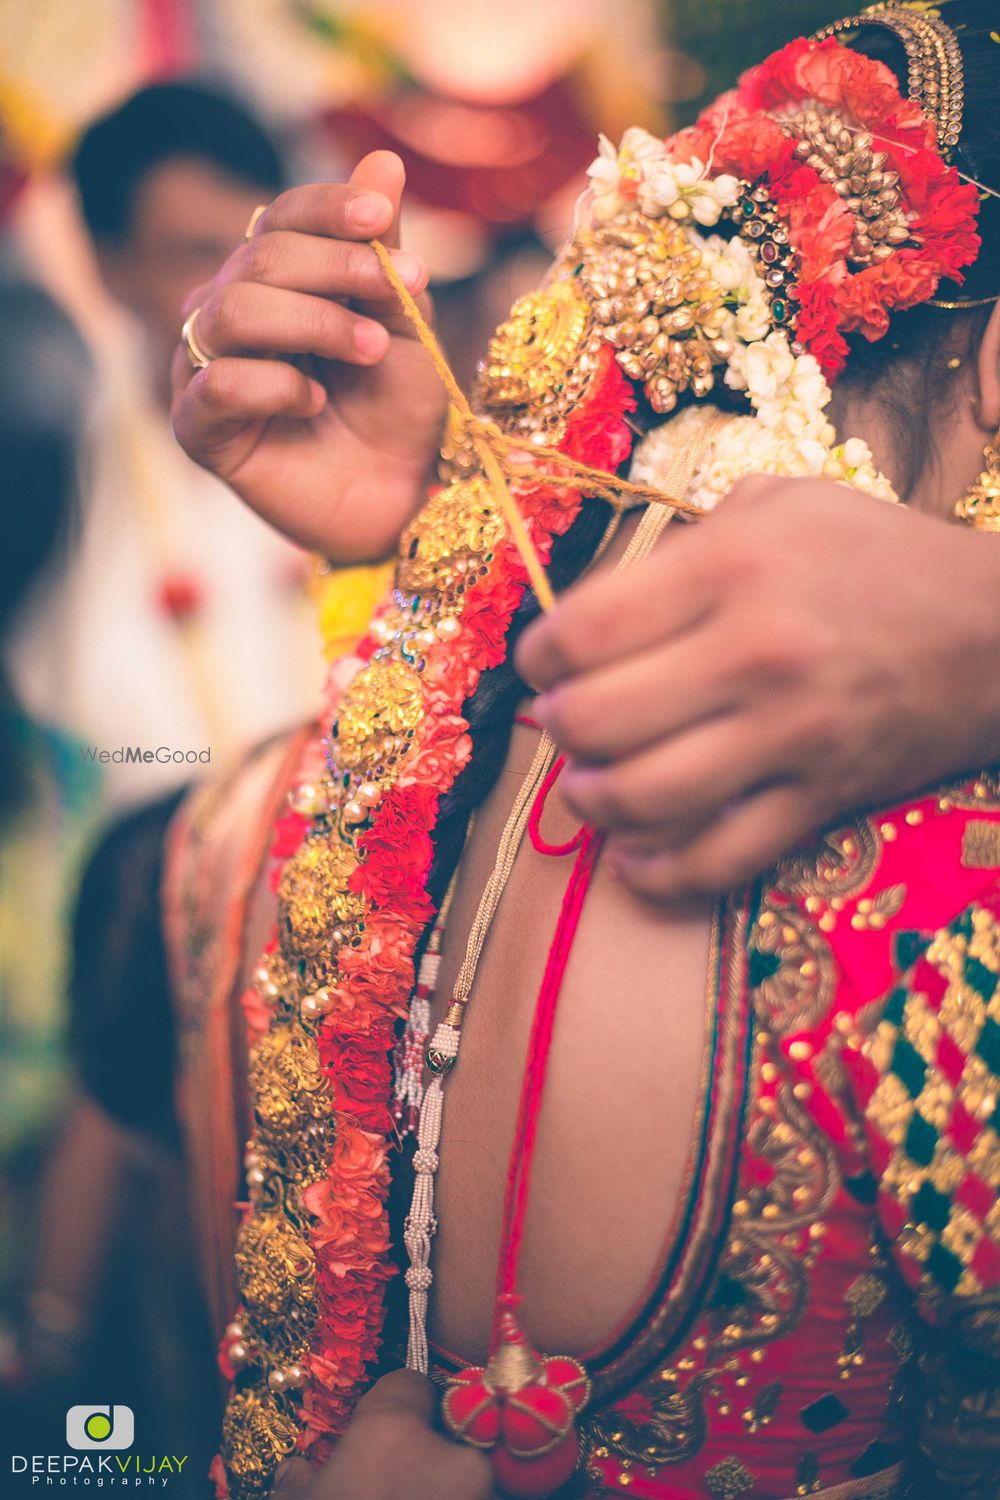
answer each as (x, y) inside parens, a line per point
(803, 652)
(319, 407)
(391, 1452)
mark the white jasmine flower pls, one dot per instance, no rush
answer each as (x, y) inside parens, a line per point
(641, 149)
(616, 173)
(856, 453)
(605, 181)
(683, 190)
(809, 385)
(812, 454)
(712, 195)
(752, 319)
(762, 369)
(744, 446)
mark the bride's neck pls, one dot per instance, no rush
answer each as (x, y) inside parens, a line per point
(940, 430)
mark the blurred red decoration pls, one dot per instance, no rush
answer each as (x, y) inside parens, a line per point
(180, 596)
(500, 162)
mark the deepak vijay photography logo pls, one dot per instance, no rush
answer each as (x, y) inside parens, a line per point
(100, 1437)
(100, 1427)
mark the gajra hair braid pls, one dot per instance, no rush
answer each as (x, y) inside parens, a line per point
(491, 709)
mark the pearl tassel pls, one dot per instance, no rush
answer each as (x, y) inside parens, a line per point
(420, 1226)
(420, 1222)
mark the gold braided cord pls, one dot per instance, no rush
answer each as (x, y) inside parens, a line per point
(505, 460)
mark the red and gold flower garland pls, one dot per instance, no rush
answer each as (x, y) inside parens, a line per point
(740, 134)
(276, 1405)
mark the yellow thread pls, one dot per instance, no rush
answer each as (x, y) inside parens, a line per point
(503, 459)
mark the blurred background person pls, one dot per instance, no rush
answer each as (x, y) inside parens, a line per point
(166, 617)
(173, 622)
(46, 788)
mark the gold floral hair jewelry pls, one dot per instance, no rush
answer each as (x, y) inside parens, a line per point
(936, 83)
(980, 505)
(936, 75)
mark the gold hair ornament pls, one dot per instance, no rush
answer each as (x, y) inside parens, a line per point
(960, 304)
(934, 58)
(936, 83)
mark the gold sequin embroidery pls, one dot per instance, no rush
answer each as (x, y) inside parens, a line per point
(912, 1105)
(981, 845)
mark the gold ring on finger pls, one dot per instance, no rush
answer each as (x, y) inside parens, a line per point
(254, 220)
(196, 353)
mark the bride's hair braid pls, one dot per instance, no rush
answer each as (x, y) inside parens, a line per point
(491, 709)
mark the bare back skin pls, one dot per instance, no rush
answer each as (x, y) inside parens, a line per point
(620, 1099)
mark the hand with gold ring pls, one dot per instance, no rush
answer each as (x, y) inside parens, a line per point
(298, 381)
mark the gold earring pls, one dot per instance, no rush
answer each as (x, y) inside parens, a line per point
(980, 505)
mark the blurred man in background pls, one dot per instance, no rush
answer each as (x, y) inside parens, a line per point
(167, 620)
(175, 623)
(46, 789)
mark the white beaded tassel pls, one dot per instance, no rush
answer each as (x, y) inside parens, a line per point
(409, 1081)
(420, 1222)
(408, 1061)
(441, 1055)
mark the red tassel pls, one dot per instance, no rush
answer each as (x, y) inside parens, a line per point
(522, 1408)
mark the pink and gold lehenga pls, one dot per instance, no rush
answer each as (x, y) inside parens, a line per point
(825, 1316)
